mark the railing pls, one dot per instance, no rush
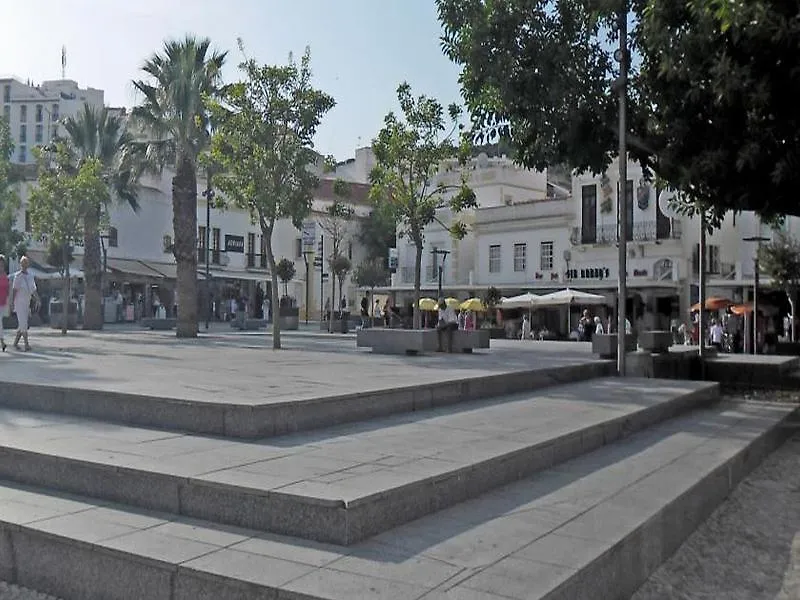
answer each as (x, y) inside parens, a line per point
(251, 260)
(642, 231)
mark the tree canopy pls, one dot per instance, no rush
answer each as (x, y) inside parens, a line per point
(711, 105)
(263, 141)
(9, 200)
(409, 151)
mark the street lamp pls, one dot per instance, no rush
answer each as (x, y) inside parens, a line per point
(440, 268)
(758, 239)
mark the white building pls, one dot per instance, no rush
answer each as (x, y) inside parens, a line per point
(33, 112)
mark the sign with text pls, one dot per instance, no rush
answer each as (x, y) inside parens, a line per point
(393, 259)
(234, 243)
(309, 235)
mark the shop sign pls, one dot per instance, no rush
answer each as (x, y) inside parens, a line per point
(234, 243)
(590, 273)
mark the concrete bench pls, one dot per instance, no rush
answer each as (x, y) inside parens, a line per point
(159, 324)
(249, 324)
(398, 341)
(606, 344)
(657, 342)
(467, 341)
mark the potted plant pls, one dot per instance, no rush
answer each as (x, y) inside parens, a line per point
(491, 300)
(288, 311)
(340, 266)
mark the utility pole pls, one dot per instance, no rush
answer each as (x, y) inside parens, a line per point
(209, 196)
(621, 56)
(306, 254)
(321, 253)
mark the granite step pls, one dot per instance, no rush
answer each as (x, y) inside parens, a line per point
(346, 483)
(253, 418)
(592, 528)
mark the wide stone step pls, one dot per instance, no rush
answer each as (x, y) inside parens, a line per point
(593, 528)
(341, 484)
(239, 417)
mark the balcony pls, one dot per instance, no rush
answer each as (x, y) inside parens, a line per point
(250, 260)
(643, 231)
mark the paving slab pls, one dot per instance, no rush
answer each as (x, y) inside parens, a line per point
(345, 483)
(591, 528)
(237, 387)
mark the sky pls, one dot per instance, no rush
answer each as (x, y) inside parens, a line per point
(360, 49)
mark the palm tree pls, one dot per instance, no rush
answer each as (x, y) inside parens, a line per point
(173, 116)
(96, 133)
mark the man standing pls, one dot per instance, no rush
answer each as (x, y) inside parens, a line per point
(23, 290)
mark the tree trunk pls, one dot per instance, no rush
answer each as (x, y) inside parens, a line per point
(65, 289)
(92, 272)
(418, 284)
(334, 303)
(791, 296)
(276, 316)
(184, 224)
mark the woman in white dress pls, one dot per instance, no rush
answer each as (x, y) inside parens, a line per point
(23, 290)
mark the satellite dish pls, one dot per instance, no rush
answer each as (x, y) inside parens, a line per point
(665, 204)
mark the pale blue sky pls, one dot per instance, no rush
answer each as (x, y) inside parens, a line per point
(360, 49)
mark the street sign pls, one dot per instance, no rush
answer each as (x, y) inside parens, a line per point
(309, 235)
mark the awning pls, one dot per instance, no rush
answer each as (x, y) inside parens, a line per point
(131, 267)
(237, 275)
(38, 259)
(167, 270)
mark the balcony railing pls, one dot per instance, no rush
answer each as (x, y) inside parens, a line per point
(643, 231)
(251, 260)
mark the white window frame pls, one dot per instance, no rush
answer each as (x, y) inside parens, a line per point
(520, 257)
(546, 253)
(495, 262)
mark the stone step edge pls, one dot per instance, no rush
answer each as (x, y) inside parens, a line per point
(327, 520)
(617, 572)
(267, 420)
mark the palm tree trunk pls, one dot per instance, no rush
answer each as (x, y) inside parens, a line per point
(184, 224)
(92, 272)
(276, 316)
(65, 290)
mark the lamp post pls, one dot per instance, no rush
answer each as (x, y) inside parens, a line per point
(758, 239)
(208, 194)
(306, 254)
(440, 267)
(621, 55)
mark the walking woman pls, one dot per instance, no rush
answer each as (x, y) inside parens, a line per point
(23, 290)
(4, 290)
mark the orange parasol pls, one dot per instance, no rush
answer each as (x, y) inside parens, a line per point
(713, 303)
(742, 309)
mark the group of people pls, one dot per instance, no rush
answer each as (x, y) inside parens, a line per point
(19, 295)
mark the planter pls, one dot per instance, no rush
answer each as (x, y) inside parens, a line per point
(57, 314)
(497, 333)
(289, 318)
(606, 344)
(656, 342)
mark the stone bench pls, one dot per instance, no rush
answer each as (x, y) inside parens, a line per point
(467, 341)
(606, 344)
(249, 324)
(159, 324)
(398, 341)
(656, 342)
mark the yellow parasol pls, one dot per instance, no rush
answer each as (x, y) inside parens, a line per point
(452, 302)
(473, 304)
(428, 304)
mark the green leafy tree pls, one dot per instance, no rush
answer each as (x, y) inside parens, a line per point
(408, 153)
(9, 200)
(370, 274)
(286, 272)
(176, 124)
(780, 260)
(340, 267)
(96, 133)
(60, 201)
(378, 232)
(710, 108)
(263, 140)
(337, 223)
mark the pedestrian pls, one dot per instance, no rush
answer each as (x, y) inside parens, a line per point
(598, 326)
(448, 323)
(4, 291)
(364, 311)
(22, 292)
(525, 333)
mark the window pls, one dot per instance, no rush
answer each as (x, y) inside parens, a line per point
(23, 134)
(28, 227)
(7, 113)
(39, 134)
(6, 93)
(713, 259)
(39, 113)
(520, 257)
(113, 237)
(201, 237)
(215, 240)
(263, 246)
(54, 132)
(251, 250)
(494, 258)
(629, 201)
(23, 114)
(23, 154)
(589, 214)
(54, 113)
(546, 249)
(298, 248)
